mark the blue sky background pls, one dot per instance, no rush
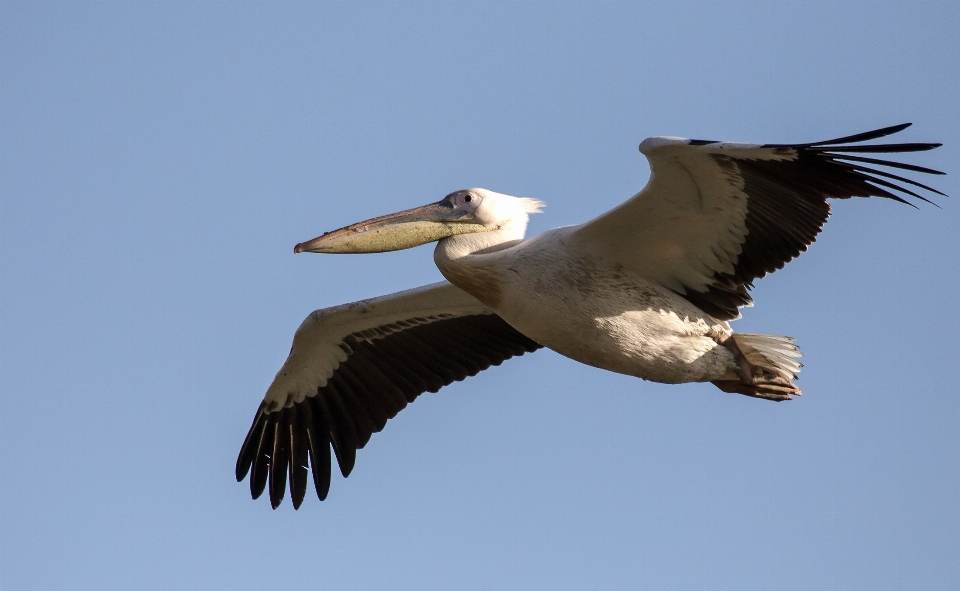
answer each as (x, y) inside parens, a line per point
(158, 161)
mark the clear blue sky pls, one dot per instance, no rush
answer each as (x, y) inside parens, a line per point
(158, 161)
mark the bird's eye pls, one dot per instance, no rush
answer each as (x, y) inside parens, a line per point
(468, 199)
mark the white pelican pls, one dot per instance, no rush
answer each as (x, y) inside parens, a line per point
(646, 290)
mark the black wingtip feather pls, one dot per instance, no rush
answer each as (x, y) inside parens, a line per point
(881, 148)
(346, 457)
(887, 163)
(278, 463)
(863, 137)
(261, 460)
(318, 444)
(299, 453)
(320, 462)
(251, 441)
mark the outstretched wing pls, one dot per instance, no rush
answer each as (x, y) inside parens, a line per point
(353, 367)
(716, 216)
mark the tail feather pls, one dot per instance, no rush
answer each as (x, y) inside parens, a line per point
(776, 353)
(767, 366)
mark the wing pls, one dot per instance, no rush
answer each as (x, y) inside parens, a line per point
(353, 367)
(716, 216)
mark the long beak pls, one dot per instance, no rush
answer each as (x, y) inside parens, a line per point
(395, 231)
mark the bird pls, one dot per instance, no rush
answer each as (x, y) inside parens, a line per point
(647, 289)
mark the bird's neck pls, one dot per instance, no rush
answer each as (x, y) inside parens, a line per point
(471, 261)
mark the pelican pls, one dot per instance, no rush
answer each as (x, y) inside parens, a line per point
(647, 289)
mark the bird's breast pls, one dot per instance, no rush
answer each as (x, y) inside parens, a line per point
(484, 282)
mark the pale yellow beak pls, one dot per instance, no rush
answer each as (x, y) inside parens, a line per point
(396, 231)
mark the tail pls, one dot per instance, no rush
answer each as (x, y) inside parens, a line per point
(767, 366)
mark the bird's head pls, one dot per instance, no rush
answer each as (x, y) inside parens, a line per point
(461, 212)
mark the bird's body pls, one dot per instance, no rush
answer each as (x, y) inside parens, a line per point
(590, 310)
(646, 289)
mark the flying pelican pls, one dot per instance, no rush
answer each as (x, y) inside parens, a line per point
(646, 289)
